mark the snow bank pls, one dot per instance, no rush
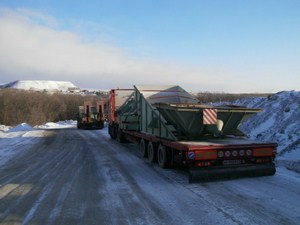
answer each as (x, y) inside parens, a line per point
(4, 128)
(278, 122)
(58, 125)
(49, 125)
(20, 127)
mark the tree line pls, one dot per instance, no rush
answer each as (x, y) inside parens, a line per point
(36, 108)
(210, 97)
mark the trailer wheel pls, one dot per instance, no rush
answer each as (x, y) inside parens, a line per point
(152, 152)
(111, 131)
(143, 148)
(120, 136)
(162, 156)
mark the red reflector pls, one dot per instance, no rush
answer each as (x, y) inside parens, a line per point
(201, 164)
(262, 152)
(263, 160)
(203, 155)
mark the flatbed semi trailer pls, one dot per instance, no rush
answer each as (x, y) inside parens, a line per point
(172, 128)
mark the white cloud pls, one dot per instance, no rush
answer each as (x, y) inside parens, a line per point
(33, 47)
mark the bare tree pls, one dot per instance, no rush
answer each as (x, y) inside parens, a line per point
(37, 108)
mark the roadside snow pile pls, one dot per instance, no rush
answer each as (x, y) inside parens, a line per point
(20, 127)
(58, 125)
(4, 128)
(49, 125)
(278, 122)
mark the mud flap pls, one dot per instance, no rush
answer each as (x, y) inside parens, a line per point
(222, 173)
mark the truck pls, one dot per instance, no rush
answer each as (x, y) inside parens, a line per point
(90, 116)
(172, 128)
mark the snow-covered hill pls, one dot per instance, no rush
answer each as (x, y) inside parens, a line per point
(40, 85)
(279, 122)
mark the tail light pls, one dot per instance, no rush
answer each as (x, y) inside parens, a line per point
(263, 160)
(227, 153)
(220, 154)
(202, 164)
(234, 153)
(249, 152)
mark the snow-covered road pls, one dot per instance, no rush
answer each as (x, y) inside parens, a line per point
(70, 176)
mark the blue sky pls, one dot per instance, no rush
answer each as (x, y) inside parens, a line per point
(230, 46)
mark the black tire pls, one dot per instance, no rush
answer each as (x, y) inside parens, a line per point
(120, 136)
(111, 131)
(143, 148)
(162, 156)
(152, 152)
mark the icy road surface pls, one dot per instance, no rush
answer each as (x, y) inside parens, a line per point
(70, 176)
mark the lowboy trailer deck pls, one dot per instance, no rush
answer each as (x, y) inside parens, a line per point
(172, 128)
